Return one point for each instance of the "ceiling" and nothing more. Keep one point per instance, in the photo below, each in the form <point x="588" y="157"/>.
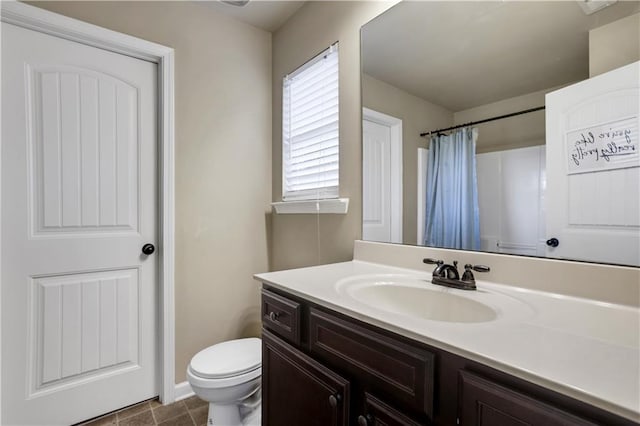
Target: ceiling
<point x="265" y="14"/>
<point x="464" y="54"/>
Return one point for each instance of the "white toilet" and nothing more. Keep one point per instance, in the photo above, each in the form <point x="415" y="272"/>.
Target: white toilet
<point x="227" y="376"/>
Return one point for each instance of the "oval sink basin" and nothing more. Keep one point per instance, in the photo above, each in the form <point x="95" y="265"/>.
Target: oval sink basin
<point x="418" y="298"/>
<point x="424" y="303"/>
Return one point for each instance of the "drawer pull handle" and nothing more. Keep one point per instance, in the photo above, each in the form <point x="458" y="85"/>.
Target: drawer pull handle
<point x="334" y="399"/>
<point x="273" y="316"/>
<point x="365" y="420"/>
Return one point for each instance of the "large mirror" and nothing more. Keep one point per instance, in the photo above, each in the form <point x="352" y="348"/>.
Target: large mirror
<point x="508" y="127"/>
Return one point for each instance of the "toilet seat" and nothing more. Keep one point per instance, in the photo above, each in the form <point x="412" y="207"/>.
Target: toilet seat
<point x="203" y="382"/>
<point x="227" y="363"/>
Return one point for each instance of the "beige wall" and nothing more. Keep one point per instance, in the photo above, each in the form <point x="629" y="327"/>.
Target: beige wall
<point x="624" y="34"/>
<point x="509" y="133"/>
<point x="302" y="240"/>
<point x="223" y="160"/>
<point x="417" y="116"/>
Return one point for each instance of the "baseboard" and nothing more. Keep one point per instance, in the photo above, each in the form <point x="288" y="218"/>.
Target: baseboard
<point x="183" y="391"/>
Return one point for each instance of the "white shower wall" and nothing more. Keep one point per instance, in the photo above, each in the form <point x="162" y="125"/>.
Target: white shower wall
<point x="511" y="187"/>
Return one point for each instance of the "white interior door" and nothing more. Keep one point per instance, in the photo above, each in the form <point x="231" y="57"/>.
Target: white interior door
<point x="382" y="177"/>
<point x="593" y="178"/>
<point x="376" y="182"/>
<point x="79" y="299"/>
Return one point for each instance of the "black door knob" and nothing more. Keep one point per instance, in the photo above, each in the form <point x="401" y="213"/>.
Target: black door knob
<point x="553" y="242"/>
<point x="148" y="249"/>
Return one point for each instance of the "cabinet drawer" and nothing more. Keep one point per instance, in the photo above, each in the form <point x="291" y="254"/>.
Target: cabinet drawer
<point x="387" y="366"/>
<point x="378" y="413"/>
<point x="281" y="316"/>
<point x="483" y="402"/>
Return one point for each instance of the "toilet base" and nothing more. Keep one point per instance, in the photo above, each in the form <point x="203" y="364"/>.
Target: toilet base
<point x="234" y="415"/>
<point x="224" y="415"/>
<point x="253" y="417"/>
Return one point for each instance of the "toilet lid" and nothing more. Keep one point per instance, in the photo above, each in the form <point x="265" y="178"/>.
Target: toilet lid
<point x="227" y="359"/>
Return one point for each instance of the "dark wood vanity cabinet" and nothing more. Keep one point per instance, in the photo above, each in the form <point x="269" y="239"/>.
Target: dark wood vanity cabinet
<point x="379" y="364"/>
<point x="324" y="368"/>
<point x="300" y="390"/>
<point x="379" y="413"/>
<point x="483" y="402"/>
<point x="281" y="316"/>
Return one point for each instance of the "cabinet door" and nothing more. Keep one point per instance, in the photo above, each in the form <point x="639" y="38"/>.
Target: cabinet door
<point x="378" y="413"/>
<point x="485" y="403"/>
<point x="400" y="372"/>
<point x="296" y="390"/>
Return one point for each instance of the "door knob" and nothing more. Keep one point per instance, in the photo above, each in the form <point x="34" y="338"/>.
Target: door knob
<point x="148" y="249"/>
<point x="553" y="242"/>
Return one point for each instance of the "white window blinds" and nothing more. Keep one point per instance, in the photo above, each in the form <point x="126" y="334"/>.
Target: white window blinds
<point x="310" y="129"/>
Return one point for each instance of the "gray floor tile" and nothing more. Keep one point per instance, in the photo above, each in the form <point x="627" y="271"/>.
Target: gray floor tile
<point x="143" y="419"/>
<point x="200" y="415"/>
<point x="166" y="412"/>
<point x="155" y="403"/>
<point x="194" y="402"/>
<point x="133" y="410"/>
<point x="183" y="420"/>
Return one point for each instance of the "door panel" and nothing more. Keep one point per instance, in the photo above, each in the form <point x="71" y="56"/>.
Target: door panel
<point x="85" y="154"/>
<point x="595" y="212"/>
<point x="85" y="323"/>
<point x="79" y="301"/>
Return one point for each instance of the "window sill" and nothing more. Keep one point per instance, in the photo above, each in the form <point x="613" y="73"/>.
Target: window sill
<point x="328" y="206"/>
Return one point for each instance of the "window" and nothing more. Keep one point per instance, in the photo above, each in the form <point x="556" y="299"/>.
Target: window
<point x="310" y="129"/>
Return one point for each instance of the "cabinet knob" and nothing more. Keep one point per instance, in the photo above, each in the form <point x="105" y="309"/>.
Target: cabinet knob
<point x="273" y="316"/>
<point x="334" y="399"/>
<point x="365" y="420"/>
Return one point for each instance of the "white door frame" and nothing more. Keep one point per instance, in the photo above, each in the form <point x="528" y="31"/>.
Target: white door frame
<point x="43" y="21"/>
<point x="395" y="125"/>
<point x="423" y="155"/>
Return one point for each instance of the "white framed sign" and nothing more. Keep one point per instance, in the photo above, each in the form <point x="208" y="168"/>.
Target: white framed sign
<point x="607" y="146"/>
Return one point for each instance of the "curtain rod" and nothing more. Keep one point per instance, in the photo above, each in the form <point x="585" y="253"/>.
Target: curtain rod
<point x="486" y="120"/>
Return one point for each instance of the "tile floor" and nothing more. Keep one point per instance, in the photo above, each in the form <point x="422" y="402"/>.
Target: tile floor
<point x="188" y="412"/>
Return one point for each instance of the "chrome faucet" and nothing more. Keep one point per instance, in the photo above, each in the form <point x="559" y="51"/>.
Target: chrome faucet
<point x="448" y="275"/>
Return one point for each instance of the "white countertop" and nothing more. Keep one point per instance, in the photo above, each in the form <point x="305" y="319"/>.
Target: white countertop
<point x="582" y="348"/>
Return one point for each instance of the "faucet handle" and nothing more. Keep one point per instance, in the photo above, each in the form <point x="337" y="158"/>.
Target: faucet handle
<point x="468" y="275"/>
<point x="432" y="261"/>
<point x="480" y="268"/>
